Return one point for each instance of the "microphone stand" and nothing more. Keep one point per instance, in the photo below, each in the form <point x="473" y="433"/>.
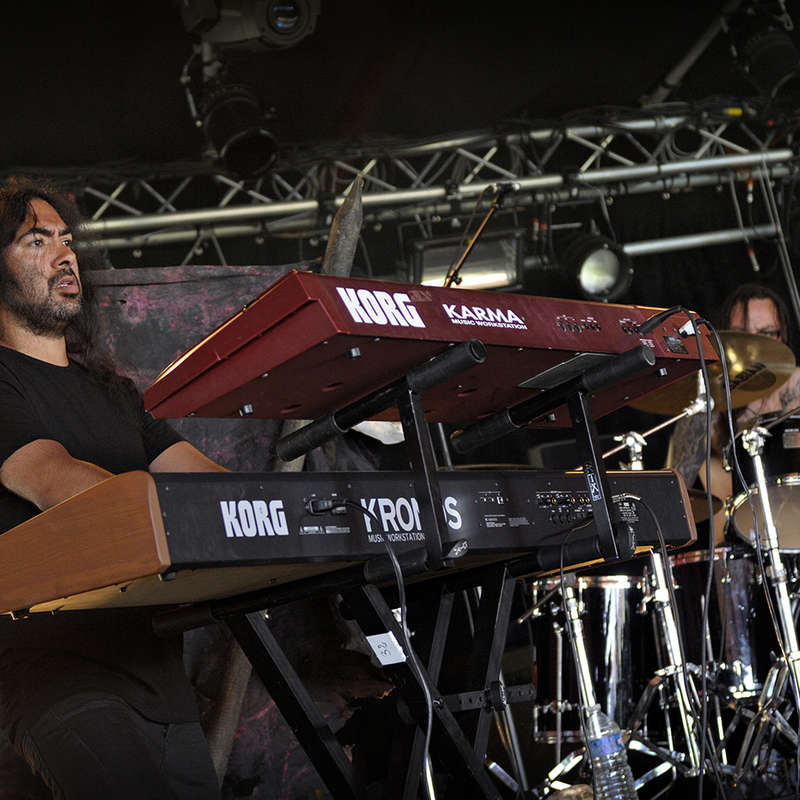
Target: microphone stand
<point x="497" y="201"/>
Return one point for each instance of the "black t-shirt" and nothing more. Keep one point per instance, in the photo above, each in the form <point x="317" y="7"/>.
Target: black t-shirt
<point x="46" y="657"/>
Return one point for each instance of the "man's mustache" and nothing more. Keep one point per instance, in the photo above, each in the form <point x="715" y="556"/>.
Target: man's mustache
<point x="53" y="282"/>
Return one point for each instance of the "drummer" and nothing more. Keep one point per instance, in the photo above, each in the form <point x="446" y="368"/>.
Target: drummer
<point x="751" y="308"/>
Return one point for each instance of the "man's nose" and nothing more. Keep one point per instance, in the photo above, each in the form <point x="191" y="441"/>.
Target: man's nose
<point x="64" y="256"/>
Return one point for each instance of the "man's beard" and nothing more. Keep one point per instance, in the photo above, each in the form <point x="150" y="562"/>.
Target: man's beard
<point x="46" y="316"/>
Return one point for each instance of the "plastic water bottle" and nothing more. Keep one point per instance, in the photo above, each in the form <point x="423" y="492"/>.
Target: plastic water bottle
<point x="611" y="773"/>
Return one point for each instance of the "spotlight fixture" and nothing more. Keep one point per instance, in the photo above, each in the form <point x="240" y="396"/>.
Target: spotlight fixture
<point x="234" y="124"/>
<point x="767" y="54"/>
<point x="230" y="115"/>
<point x="494" y="263"/>
<point x="251" y="24"/>
<point x="600" y="267"/>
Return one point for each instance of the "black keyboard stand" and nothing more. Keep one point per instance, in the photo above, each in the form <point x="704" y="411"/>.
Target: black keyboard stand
<point x="460" y="716"/>
<point x="456" y="665"/>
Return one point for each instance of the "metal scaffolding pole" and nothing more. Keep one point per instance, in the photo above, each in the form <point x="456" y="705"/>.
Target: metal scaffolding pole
<point x="673" y="78"/>
<point x="541" y="183"/>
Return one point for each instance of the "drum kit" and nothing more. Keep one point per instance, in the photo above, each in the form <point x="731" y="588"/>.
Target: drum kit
<point x="695" y="653"/>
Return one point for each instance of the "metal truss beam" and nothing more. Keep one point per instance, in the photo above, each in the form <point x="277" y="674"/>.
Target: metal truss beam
<point x="168" y="204"/>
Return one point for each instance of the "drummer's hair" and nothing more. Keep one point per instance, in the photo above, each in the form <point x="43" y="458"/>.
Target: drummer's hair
<point x="756" y="291"/>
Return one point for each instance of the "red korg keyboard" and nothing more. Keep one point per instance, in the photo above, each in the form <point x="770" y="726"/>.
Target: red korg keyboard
<point x="313" y="343"/>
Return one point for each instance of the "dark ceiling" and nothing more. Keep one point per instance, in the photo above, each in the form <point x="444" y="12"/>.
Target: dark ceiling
<point x="88" y="82"/>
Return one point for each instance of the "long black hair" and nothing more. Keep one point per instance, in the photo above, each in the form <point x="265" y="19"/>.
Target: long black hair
<point x="81" y="333"/>
<point x="756" y="291"/>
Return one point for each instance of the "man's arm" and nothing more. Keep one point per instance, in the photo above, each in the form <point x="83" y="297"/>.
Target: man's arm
<point x="687" y="447"/>
<point x="687" y="454"/>
<point x="44" y="473"/>
<point x="790" y="391"/>
<point x="184" y="457"/>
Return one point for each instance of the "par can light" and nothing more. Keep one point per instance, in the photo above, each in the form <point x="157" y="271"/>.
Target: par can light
<point x="600" y="267"/>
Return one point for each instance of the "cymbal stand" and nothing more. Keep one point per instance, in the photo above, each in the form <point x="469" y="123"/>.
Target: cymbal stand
<point x="587" y="706"/>
<point x="588" y="699"/>
<point x="636" y="442"/>
<point x="753" y="441"/>
<point x="767" y="717"/>
<point x="559" y="705"/>
<point x="676" y="669"/>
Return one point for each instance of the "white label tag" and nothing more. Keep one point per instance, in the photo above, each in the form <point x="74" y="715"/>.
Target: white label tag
<point x="386" y="648"/>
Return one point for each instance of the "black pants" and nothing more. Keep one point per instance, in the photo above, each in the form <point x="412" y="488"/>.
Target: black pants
<point x="95" y="745"/>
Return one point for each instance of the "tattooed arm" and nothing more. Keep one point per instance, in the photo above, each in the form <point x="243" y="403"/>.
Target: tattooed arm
<point x="687" y="454"/>
<point x="687" y="447"/>
<point x="790" y="391"/>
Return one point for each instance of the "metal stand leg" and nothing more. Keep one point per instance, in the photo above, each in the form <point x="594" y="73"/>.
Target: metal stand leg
<point x="784" y="675"/>
<point x="559" y="632"/>
<point x="582" y="668"/>
<point x="676" y="668"/>
<point x="772" y="695"/>
<point x="295" y="704"/>
<point x="776" y="573"/>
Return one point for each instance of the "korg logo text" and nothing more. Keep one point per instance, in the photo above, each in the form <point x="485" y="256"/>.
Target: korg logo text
<point x="483" y="317"/>
<point x="253" y="518"/>
<point x="380" y="308"/>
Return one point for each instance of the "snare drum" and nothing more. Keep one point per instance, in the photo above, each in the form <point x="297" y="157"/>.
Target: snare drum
<point x="781" y="458"/>
<point x="731" y="632"/>
<point x="611" y="630"/>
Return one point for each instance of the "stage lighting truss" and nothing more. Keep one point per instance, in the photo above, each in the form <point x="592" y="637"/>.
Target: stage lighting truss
<point x="424" y="181"/>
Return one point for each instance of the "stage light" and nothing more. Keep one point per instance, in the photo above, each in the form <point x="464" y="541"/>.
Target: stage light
<point x="768" y="55"/>
<point x="494" y="263"/>
<point x="234" y="124"/>
<point x="600" y="267"/>
<point x="251" y="24"/>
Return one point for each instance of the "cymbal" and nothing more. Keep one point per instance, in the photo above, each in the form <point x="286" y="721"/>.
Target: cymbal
<point x="757" y="366"/>
<point x="698" y="502"/>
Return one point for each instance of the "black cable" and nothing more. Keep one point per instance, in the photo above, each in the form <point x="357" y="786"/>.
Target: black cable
<point x="413" y="659"/>
<point x="712" y="552"/>
<point x="702" y="722"/>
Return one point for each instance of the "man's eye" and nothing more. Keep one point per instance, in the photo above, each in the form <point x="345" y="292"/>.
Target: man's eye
<point x="67" y="242"/>
<point x="37" y="242"/>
